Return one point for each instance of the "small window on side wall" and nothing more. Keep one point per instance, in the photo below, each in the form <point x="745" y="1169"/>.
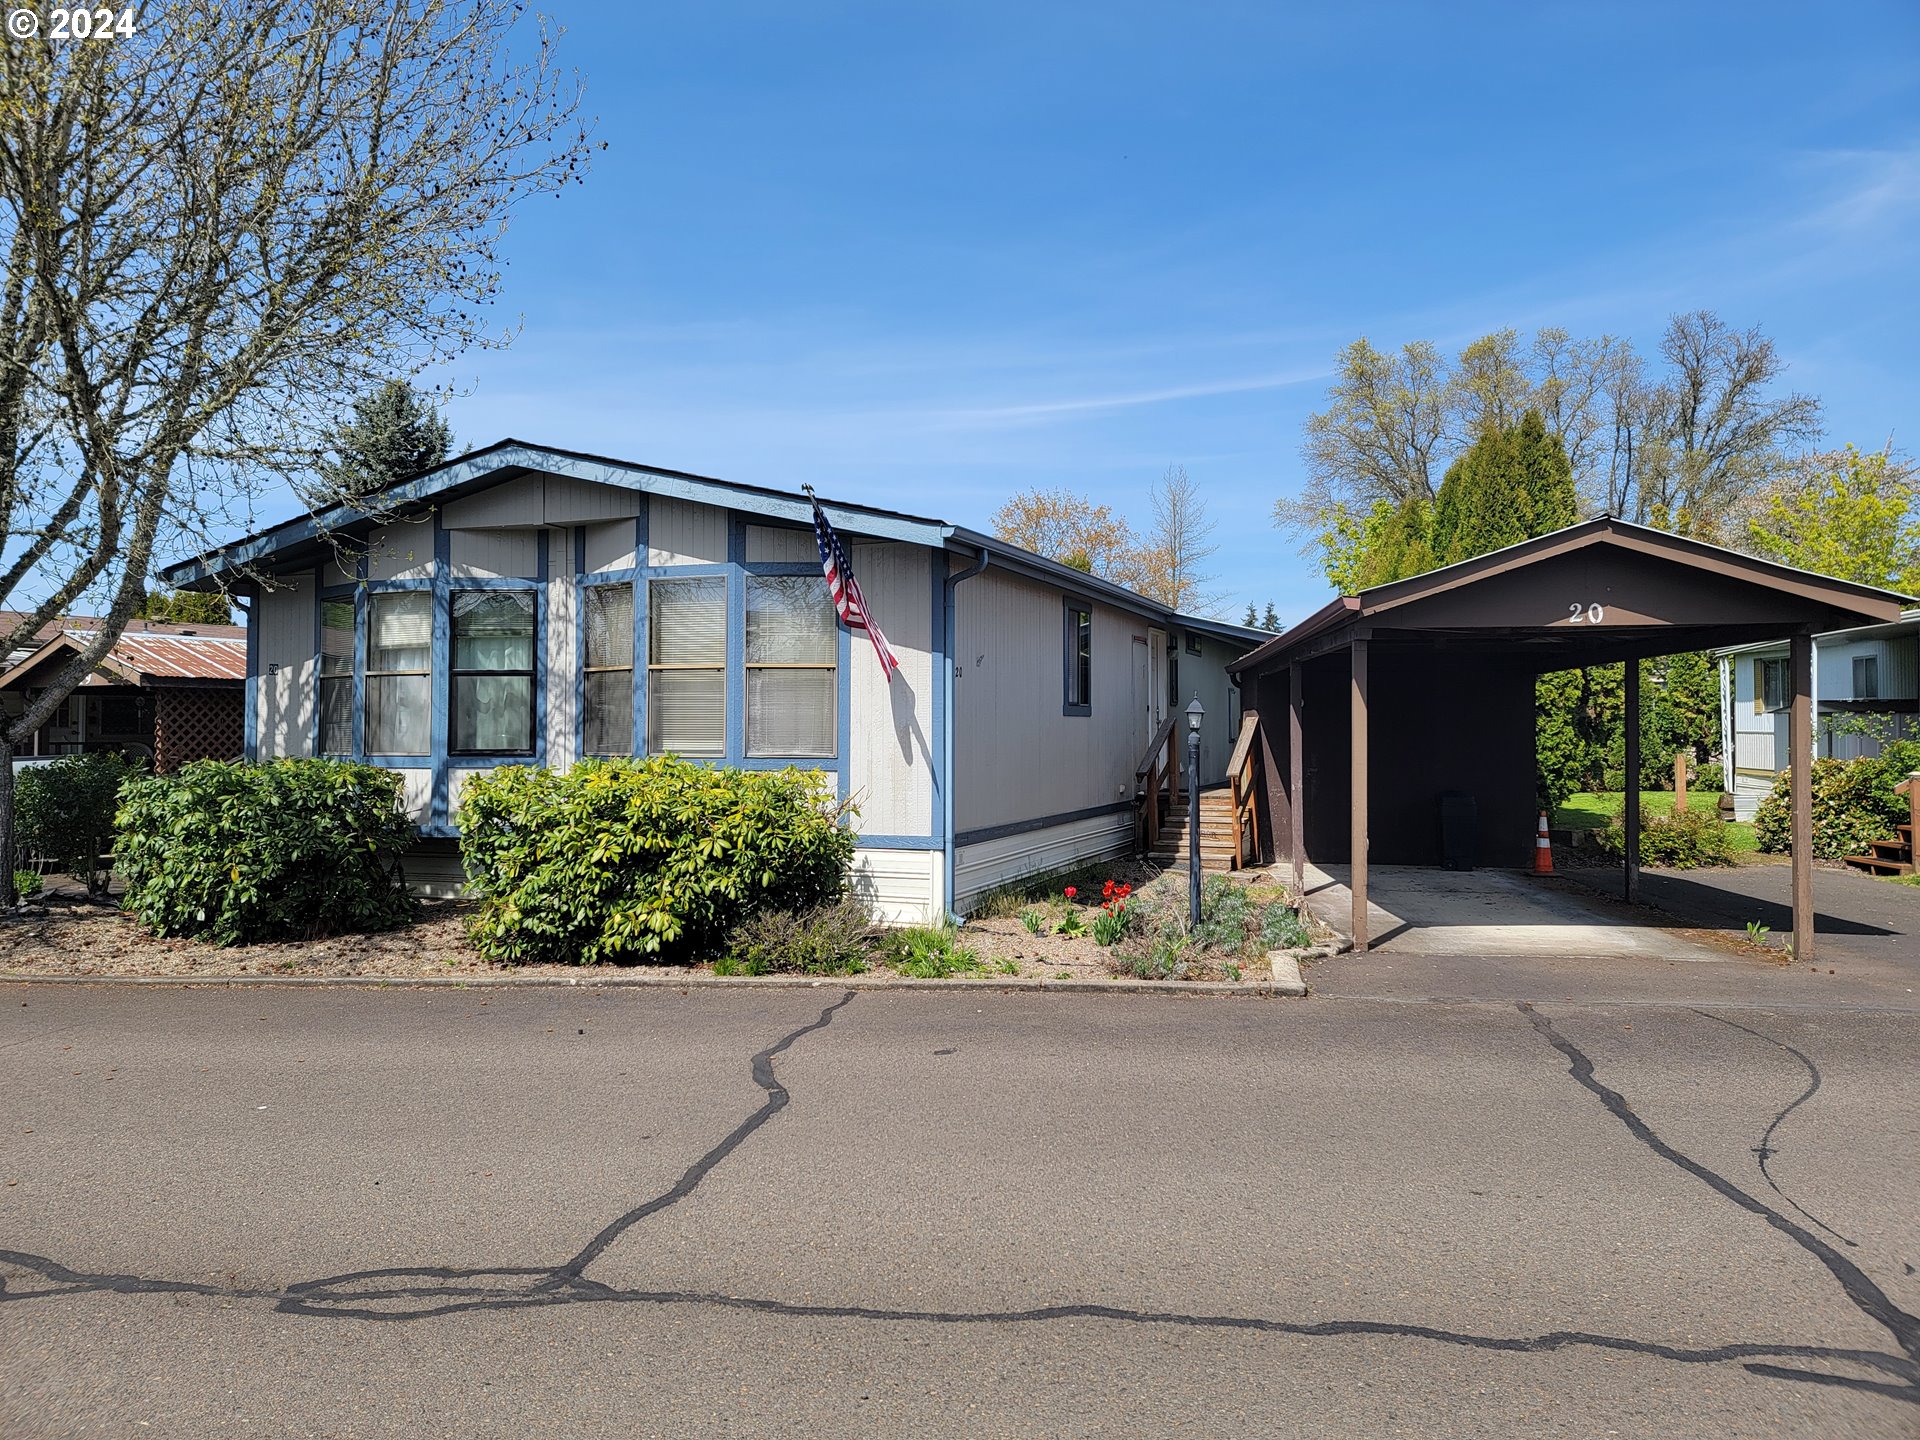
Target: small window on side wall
<point x="1773" y="684"/>
<point x="1078" y="641"/>
<point x="1866" y="677"/>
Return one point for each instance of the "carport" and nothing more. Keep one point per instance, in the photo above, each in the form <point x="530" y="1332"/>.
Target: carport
<point x="1381" y="704"/>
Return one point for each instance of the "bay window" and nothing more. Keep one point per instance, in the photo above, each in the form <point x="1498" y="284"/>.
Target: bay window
<point x="793" y="648"/>
<point x="399" y="716"/>
<point x="492" y="693"/>
<point x="607" y="686"/>
<point x="336" y="676"/>
<point x="687" y="666"/>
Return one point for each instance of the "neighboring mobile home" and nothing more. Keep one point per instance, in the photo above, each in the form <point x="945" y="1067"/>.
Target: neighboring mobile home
<point x="1866" y="691"/>
<point x="522" y="605"/>
<point x="164" y="693"/>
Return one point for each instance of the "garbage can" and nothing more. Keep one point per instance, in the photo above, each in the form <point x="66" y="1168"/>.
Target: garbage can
<point x="1459" y="830"/>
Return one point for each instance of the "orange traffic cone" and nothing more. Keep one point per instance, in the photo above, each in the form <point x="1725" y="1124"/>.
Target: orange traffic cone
<point x="1542" y="849"/>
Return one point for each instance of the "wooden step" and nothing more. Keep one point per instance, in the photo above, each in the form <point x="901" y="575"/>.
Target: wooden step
<point x="1880" y="865"/>
<point x="1891" y="849"/>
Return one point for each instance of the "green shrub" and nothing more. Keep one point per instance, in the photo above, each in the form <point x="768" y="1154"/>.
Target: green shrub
<point x="1684" y="840"/>
<point x="26" y="884"/>
<point x="64" y="812"/>
<point x="1282" y="929"/>
<point x="826" y="940"/>
<point x="1225" y="913"/>
<point x="235" y="853"/>
<point x="928" y="952"/>
<point x="1711" y="778"/>
<point x="1159" y="952"/>
<point x="1853" y="804"/>
<point x="646" y="859"/>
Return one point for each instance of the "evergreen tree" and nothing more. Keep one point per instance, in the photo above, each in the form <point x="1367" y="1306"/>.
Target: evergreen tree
<point x="1271" y="620"/>
<point x="394" y="433"/>
<point x="1252" y="622"/>
<point x="1548" y="477"/>
<point x="186" y="607"/>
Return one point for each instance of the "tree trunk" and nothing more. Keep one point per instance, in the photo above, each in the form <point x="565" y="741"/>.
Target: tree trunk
<point x="8" y="898"/>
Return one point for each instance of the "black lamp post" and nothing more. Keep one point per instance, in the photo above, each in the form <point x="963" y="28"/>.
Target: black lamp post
<point x="1195" y="714"/>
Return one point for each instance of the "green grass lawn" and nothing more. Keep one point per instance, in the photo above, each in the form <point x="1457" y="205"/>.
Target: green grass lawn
<point x="1590" y="812"/>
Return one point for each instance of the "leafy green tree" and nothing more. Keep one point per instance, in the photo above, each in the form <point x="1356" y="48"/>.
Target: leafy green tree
<point x="187" y="607"/>
<point x="394" y="433"/>
<point x="1848" y="515"/>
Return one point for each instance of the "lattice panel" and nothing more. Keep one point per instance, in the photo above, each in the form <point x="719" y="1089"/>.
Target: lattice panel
<point x="192" y="724"/>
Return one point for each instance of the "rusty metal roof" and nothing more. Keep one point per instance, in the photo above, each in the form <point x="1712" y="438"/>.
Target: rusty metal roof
<point x="147" y="657"/>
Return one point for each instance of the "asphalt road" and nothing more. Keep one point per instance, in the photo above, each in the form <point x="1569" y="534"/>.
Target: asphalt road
<point x="633" y="1213"/>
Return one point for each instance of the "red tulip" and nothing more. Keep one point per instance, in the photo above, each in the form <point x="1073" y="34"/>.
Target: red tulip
<point x="1071" y="892"/>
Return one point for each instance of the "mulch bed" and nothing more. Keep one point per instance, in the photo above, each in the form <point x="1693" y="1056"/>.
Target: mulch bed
<point x="68" y="934"/>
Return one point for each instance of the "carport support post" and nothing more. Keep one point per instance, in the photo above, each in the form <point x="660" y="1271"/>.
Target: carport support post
<point x="1296" y="781"/>
<point x="1631" y="811"/>
<point x="1358" y="818"/>
<point x="1800" y="751"/>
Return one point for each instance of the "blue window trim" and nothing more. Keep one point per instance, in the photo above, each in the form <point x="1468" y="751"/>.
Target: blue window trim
<point x="1070" y="606"/>
<point x="735" y="570"/>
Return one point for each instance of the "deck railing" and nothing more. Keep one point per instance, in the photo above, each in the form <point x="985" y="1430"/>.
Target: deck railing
<point x="1156" y="778"/>
<point x="1243" y="775"/>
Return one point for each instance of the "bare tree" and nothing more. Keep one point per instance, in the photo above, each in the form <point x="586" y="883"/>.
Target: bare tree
<point x="1386" y="417"/>
<point x="1714" y="435"/>
<point x="1178" y="545"/>
<point x="1490" y="388"/>
<point x="211" y="226"/>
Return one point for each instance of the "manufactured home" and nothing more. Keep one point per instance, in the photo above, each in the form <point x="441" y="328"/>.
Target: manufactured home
<point x="522" y="605"/>
<point x="1866" y="691"/>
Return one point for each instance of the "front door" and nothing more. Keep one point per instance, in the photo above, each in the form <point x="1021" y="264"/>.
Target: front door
<point x="1157" y="681"/>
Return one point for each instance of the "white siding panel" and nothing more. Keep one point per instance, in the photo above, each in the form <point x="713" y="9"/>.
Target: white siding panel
<point x="898" y="887"/>
<point x="681" y="532"/>
<point x="515" y="504"/>
<point x="456" y="783"/>
<point x="433" y="871"/>
<point x="416" y="794"/>
<point x="771" y="543"/>
<point x="285" y="690"/>
<point x="562" y="670"/>
<point x="610" y="545"/>
<point x="890" y="760"/>
<point x="1204" y="676"/>
<point x="575" y="502"/>
<point x="401" y="552"/>
<point x="986" y="866"/>
<point x="1016" y="755"/>
<point x="494" y="554"/>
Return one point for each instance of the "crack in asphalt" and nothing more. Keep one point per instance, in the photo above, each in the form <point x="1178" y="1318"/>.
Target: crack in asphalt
<point x="1766" y="1149"/>
<point x="434" y="1290"/>
<point x="1855" y="1284"/>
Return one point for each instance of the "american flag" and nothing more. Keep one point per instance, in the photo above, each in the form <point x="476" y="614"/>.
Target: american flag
<point x="847" y="598"/>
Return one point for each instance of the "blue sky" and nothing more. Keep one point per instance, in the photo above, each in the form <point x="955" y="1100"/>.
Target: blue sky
<point x="926" y="256"/>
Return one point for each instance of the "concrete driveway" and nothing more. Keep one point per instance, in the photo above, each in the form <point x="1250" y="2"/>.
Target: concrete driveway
<point x="585" y="1214"/>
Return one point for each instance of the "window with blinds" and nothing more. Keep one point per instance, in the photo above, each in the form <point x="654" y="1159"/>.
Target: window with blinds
<point x="336" y="677"/>
<point x="492" y="673"/>
<point x="793" y="648"/>
<point x="607" y="688"/>
<point x="399" y="716"/>
<point x="687" y="666"/>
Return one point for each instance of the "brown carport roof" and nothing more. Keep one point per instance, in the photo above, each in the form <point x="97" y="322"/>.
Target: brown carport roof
<point x="1602" y="591"/>
<point x="1597" y="592"/>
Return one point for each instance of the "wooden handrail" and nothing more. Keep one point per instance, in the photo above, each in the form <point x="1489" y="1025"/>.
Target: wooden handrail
<point x="1157" y="771"/>
<point x="1243" y="777"/>
<point x="1910" y="787"/>
<point x="1154" y="746"/>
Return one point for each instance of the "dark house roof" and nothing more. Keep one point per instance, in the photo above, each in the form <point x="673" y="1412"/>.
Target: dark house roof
<point x="307" y="539"/>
